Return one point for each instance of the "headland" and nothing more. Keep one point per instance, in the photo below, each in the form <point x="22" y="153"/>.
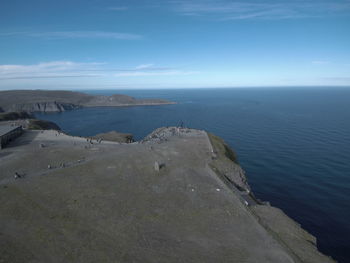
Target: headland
<point x="58" y="101"/>
<point x="178" y="195"/>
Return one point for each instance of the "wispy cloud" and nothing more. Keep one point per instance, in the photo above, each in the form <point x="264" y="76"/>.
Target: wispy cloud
<point x="155" y="73"/>
<point x="118" y="8"/>
<point x="54" y="69"/>
<point x="144" y="70"/>
<point x="240" y="10"/>
<point x="70" y="69"/>
<point x="320" y="62"/>
<point x="75" y="35"/>
<point x="144" y="66"/>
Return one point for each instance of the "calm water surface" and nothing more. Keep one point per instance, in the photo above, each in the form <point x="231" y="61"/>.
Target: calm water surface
<point x="294" y="144"/>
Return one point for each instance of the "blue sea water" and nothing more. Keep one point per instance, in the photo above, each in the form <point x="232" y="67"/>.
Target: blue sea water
<point x="293" y="143"/>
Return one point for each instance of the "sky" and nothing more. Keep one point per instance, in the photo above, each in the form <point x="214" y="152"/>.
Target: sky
<point x="105" y="44"/>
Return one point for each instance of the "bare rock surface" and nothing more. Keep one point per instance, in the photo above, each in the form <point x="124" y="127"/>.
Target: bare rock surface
<point x="105" y="202"/>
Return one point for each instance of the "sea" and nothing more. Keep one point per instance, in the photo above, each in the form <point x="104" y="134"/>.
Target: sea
<point x="293" y="143"/>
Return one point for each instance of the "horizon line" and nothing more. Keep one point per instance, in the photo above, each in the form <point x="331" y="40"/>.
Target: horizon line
<point x="184" y="88"/>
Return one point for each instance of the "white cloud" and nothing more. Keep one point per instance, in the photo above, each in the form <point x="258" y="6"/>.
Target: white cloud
<point x="239" y="10"/>
<point x="158" y="73"/>
<point x="70" y="69"/>
<point x="144" y="66"/>
<point x="54" y="69"/>
<point x="75" y="35"/>
<point x="118" y="8"/>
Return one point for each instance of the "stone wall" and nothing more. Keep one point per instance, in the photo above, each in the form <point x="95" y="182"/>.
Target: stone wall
<point x="8" y="137"/>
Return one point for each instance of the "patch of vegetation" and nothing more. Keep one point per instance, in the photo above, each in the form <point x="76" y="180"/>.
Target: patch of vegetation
<point x="222" y="148"/>
<point x="11" y="116"/>
<point x="42" y="125"/>
<point x="115" y="137"/>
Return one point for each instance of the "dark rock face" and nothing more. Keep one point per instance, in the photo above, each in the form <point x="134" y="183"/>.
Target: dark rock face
<point x="44" y="107"/>
<point x="34" y="124"/>
<point x="27" y="121"/>
<point x="226" y="164"/>
<point x="115" y="137"/>
<point x="10" y="116"/>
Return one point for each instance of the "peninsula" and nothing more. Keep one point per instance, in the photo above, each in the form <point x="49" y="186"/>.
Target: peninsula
<point x="57" y="101"/>
<point x="178" y="195"/>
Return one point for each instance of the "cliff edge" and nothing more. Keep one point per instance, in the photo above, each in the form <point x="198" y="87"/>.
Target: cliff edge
<point x="176" y="196"/>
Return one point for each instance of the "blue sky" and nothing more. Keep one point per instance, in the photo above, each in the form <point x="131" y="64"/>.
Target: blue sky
<point x="49" y="44"/>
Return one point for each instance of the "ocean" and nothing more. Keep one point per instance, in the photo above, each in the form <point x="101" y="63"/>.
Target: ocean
<point x="293" y="143"/>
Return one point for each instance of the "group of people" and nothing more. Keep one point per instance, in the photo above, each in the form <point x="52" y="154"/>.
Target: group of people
<point x="90" y="140"/>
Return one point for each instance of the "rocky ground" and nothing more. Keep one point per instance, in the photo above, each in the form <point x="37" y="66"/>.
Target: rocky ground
<point x="176" y="196"/>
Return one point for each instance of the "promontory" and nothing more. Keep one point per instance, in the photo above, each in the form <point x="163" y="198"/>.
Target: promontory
<point x="178" y="195"/>
<point x="57" y="101"/>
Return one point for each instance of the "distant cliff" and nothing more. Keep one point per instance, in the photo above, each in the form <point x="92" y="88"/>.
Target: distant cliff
<point x="58" y="101"/>
<point x="43" y="107"/>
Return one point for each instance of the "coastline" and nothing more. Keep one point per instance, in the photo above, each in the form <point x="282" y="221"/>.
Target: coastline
<point x="59" y="101"/>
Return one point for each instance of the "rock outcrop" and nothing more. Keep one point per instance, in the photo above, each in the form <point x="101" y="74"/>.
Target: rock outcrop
<point x="10" y="116"/>
<point x="27" y="121"/>
<point x="114" y="136"/>
<point x="225" y="164"/>
<point x="34" y="124"/>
